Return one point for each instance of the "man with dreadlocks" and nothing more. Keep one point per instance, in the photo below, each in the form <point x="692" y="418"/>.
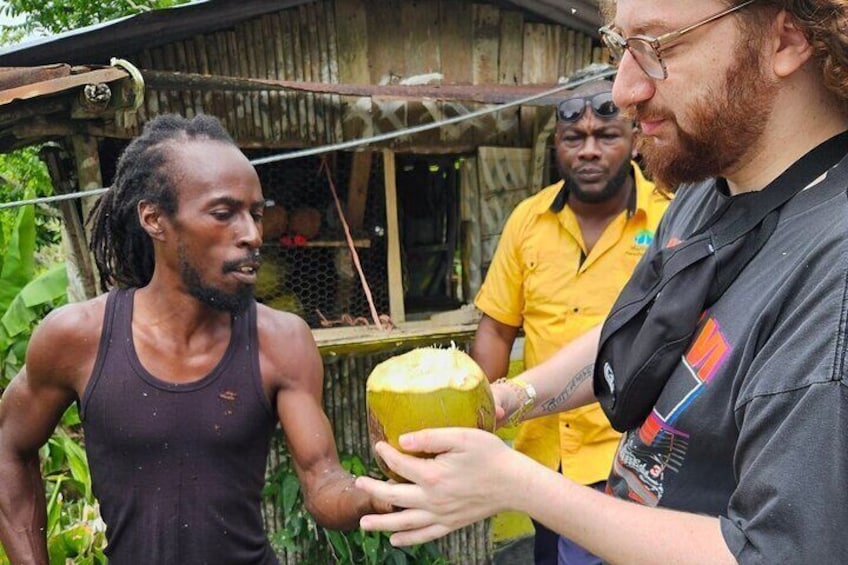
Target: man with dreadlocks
<point x="179" y="374"/>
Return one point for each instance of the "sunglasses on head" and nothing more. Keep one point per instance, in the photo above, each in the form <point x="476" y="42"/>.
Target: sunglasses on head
<point x="572" y="110"/>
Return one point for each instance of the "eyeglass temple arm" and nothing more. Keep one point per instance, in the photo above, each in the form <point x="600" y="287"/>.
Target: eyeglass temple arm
<point x="672" y="35"/>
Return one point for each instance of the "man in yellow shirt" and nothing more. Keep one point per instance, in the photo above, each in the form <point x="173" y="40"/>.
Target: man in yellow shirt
<point x="564" y="255"/>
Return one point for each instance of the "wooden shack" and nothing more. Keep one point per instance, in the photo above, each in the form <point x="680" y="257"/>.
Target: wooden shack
<point x="428" y="119"/>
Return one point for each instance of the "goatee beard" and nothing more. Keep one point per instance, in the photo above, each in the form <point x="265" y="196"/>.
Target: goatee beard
<point x="610" y="190"/>
<point x="234" y="303"/>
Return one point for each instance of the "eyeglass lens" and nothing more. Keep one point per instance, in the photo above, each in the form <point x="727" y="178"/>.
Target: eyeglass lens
<point x="647" y="58"/>
<point x="571" y="110"/>
<point x="642" y="51"/>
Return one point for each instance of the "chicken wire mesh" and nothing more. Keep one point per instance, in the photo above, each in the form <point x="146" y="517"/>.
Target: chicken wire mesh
<point x="307" y="266"/>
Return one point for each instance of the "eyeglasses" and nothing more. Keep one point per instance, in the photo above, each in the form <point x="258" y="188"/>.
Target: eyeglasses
<point x="647" y="50"/>
<point x="572" y="110"/>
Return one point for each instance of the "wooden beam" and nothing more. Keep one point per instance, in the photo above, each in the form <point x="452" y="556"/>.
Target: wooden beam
<point x="357" y="192"/>
<point x="397" y="310"/>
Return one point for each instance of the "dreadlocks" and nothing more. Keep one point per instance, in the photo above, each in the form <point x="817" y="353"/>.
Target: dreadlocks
<point x="122" y="250"/>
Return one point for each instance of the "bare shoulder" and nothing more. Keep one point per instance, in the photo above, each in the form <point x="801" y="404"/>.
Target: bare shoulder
<point x="279" y="322"/>
<point x="64" y="345"/>
<point x="287" y="349"/>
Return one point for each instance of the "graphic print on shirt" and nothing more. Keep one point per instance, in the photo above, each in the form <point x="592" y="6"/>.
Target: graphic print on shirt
<point x="657" y="447"/>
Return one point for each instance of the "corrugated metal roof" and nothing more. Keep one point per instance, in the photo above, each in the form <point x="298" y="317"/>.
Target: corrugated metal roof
<point x="98" y="43"/>
<point x="117" y="38"/>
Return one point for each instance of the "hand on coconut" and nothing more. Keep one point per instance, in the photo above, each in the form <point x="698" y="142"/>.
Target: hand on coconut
<point x="454" y="489"/>
<point x="514" y="398"/>
<point x="506" y="402"/>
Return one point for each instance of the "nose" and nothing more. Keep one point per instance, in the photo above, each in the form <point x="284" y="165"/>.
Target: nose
<point x="591" y="149"/>
<point x="250" y="232"/>
<point x="632" y="86"/>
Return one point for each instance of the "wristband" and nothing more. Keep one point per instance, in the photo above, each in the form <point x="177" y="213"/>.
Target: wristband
<point x="526" y="397"/>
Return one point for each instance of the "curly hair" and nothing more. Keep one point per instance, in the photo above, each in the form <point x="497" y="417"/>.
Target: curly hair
<point x="123" y="251"/>
<point x="824" y="23"/>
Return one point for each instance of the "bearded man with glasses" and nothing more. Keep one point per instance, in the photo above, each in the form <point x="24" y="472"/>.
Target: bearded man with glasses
<point x="564" y="255"/>
<point x="724" y="359"/>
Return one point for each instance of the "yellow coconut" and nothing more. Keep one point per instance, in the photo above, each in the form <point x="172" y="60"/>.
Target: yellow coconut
<point x="426" y="388"/>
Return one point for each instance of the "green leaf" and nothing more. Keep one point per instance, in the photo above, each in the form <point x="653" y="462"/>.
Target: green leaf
<point x="77" y="539"/>
<point x="54" y="506"/>
<point x="18" y="263"/>
<point x="56" y="550"/>
<point x="396" y="557"/>
<point x="370" y="545"/>
<point x="47" y="288"/>
<point x="78" y="465"/>
<point x="21" y="313"/>
<point x="291" y="493"/>
<point x="71" y="417"/>
<point x="341" y="545"/>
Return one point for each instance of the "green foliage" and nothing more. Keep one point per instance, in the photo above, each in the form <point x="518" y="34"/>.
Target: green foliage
<point x="300" y="536"/>
<point x="24" y="297"/>
<point x="23" y="175"/>
<point x="54" y="16"/>
<point x="75" y="531"/>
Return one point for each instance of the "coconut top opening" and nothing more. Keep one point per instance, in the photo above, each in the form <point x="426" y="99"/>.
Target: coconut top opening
<point x="426" y="369"/>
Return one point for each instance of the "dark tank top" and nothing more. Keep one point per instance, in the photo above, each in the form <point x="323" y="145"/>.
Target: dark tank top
<point x="178" y="468"/>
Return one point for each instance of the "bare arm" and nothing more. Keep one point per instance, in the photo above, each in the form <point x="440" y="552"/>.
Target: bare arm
<point x="562" y="382"/>
<point x="476" y="476"/>
<point x="492" y="346"/>
<point x="29" y="411"/>
<point x="329" y="491"/>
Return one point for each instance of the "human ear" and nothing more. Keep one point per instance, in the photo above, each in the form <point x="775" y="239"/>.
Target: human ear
<point x="150" y="218"/>
<point x="793" y="49"/>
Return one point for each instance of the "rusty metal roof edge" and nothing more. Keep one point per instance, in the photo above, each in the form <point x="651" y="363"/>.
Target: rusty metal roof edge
<point x="55" y="85"/>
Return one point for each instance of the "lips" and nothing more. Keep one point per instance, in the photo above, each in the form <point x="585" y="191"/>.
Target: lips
<point x="650" y="124"/>
<point x="245" y="272"/>
<point x="590" y="175"/>
<point x="650" y="127"/>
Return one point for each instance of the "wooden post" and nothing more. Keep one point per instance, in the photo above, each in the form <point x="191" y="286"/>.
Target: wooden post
<point x="357" y="193"/>
<point x="81" y="280"/>
<point x="472" y="259"/>
<point x="395" y="271"/>
<point x="87" y="158"/>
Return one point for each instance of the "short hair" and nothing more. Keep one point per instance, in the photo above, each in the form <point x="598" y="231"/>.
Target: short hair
<point x="123" y="251"/>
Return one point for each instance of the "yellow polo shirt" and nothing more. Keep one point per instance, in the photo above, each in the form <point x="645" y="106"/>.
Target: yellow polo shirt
<point x="542" y="278"/>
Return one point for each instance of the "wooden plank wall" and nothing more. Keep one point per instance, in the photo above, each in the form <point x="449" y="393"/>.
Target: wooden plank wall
<point x="369" y="42"/>
<point x="504" y="181"/>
